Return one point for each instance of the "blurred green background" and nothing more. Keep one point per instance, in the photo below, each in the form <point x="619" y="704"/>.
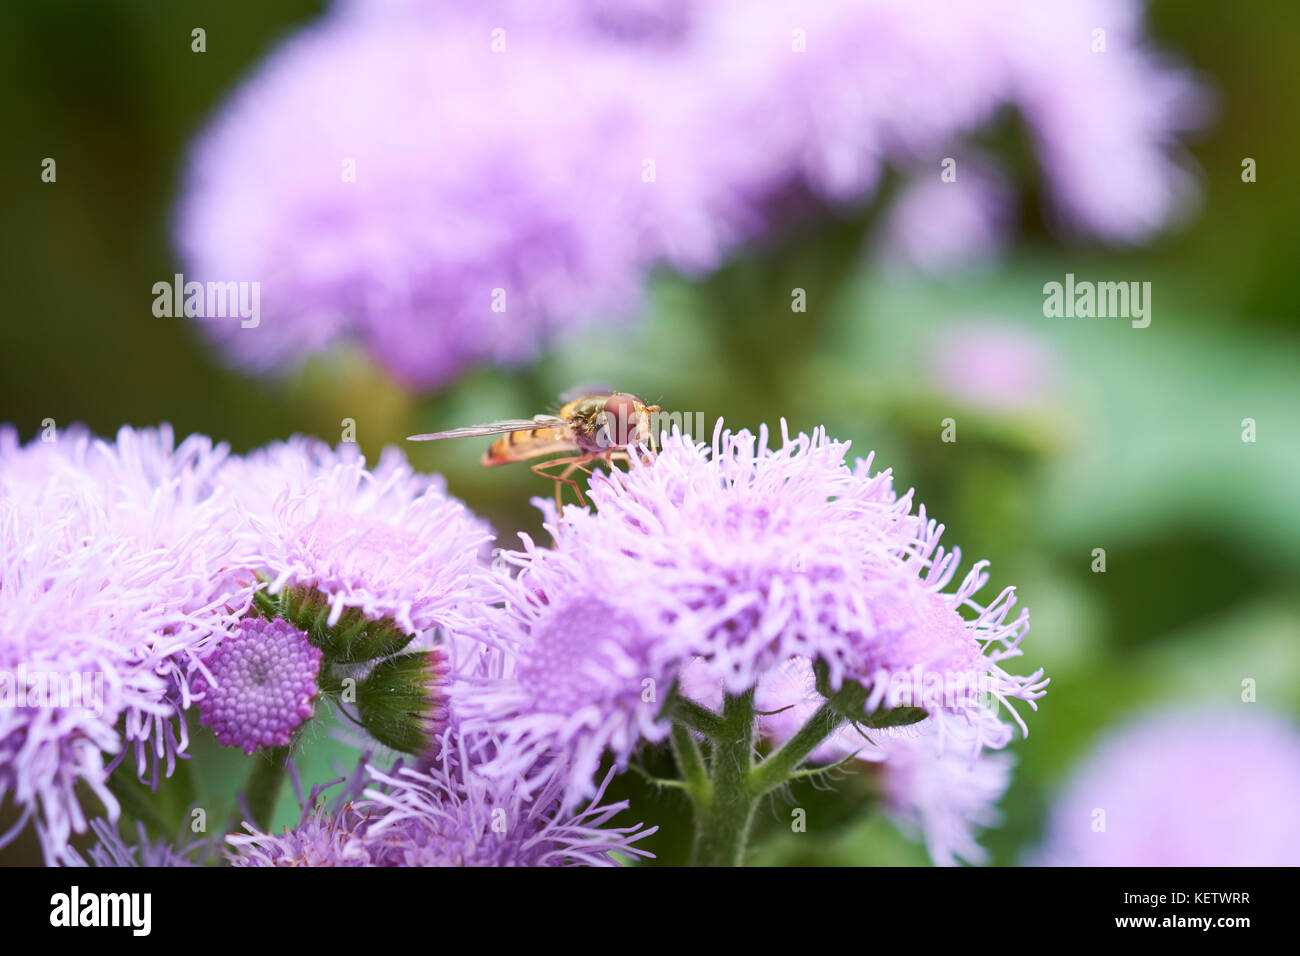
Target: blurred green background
<point x="1133" y="444"/>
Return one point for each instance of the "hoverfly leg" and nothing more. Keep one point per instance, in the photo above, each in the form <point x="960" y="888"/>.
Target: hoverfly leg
<point x="540" y="469"/>
<point x="578" y="464"/>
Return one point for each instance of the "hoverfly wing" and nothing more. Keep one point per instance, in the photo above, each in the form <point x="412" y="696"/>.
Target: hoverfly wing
<point x="494" y="428"/>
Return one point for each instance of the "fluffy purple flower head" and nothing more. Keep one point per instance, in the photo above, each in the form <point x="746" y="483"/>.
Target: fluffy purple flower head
<point x="744" y="557"/>
<point x="117" y="576"/>
<point x="387" y="541"/>
<point x="113" y="851"/>
<point x="586" y="675"/>
<point x="834" y="93"/>
<point x="329" y="832"/>
<point x="451" y="815"/>
<point x="70" y="670"/>
<point x="445" y="814"/>
<point x="1185" y="787"/>
<point x="262" y="685"/>
<point x="1105" y="123"/>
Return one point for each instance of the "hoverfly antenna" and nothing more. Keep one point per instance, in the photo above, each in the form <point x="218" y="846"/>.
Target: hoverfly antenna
<point x="654" y="431"/>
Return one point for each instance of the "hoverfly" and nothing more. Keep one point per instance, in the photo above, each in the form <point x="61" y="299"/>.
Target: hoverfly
<point x="594" y="424"/>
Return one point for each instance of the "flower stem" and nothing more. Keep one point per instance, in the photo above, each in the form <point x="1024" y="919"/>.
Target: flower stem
<point x="697" y="718"/>
<point x="265" y="781"/>
<point x="725" y="794"/>
<point x="724" y="816"/>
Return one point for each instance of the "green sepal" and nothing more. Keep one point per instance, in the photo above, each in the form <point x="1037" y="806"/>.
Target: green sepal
<point x="353" y="639"/>
<point x="396" y="701"/>
<point x="356" y="638"/>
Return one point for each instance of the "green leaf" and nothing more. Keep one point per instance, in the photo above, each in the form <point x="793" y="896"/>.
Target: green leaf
<point x="897" y="717"/>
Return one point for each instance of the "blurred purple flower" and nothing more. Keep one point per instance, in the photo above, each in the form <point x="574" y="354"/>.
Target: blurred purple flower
<point x="997" y="367"/>
<point x="601" y="138"/>
<point x="1184" y="787"/>
<point x="475" y="173"/>
<point x="935" y="225"/>
<point x="739" y="558"/>
<point x="944" y="797"/>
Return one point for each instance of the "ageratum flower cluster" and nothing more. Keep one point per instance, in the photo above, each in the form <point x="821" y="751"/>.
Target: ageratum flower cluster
<point x="238" y="592"/>
<point x="715" y="570"/>
<point x="141" y="578"/>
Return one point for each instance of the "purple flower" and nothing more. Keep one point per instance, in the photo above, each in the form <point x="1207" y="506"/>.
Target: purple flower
<point x="117" y="576"/>
<point x="329" y="832"/>
<point x="944" y="797"/>
<point x="113" y="851"/>
<point x="262" y="685"/>
<point x="373" y="563"/>
<point x="127" y="569"/>
<point x="454" y="183"/>
<point x="1186" y="787"/>
<point x="993" y="366"/>
<point x="1105" y="123"/>
<point x="743" y="557"/>
<point x="451" y="815"/>
<point x="386" y="541"/>
<point x="447" y="814"/>
<point x="587" y="674"/>
<point x="936" y="225"/>
<point x="486" y="214"/>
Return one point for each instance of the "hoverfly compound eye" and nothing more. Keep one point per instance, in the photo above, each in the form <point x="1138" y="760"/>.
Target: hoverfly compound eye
<point x="620" y="419"/>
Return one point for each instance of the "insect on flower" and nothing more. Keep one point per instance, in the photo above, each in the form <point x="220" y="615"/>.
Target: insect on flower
<point x="594" y="424"/>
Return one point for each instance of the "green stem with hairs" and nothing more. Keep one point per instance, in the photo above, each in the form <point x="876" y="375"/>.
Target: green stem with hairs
<point x="725" y="792"/>
<point x="781" y="766"/>
<point x="698" y="718"/>
<point x="725" y="811"/>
